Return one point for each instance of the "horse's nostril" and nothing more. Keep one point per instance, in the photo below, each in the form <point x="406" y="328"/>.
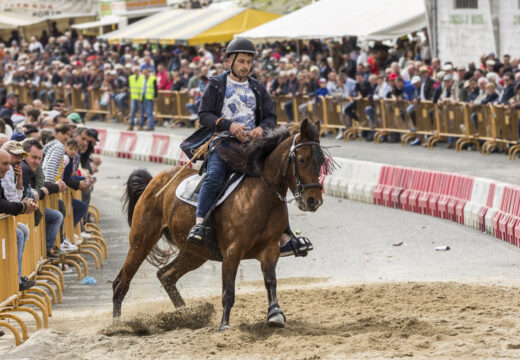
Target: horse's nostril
<point x="312" y="202"/>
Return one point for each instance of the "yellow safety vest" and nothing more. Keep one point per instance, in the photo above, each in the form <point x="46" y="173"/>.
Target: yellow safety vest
<point x="150" y="90"/>
<point x="136" y="87"/>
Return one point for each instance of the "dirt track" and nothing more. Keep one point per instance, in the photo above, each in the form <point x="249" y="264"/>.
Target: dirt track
<point x="428" y="320"/>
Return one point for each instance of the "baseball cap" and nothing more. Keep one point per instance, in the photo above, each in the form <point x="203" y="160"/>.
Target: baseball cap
<point x="74" y="117"/>
<point x="447" y="77"/>
<point x="393" y="76"/>
<point x="18" y="136"/>
<point x="416" y="79"/>
<point x="11" y="94"/>
<point x="94" y="134"/>
<point x="322" y="81"/>
<point x="424" y="68"/>
<point x="14" y="147"/>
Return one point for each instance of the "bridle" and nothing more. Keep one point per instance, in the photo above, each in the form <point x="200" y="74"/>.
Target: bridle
<point x="300" y="186"/>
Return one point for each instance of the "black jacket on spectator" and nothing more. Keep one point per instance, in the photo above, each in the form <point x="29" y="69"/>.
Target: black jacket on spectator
<point x="490" y="99"/>
<point x="428" y="88"/>
<point x="364" y="89"/>
<point x="471" y="95"/>
<point x="29" y="181"/>
<point x="437" y="93"/>
<point x="507" y="94"/>
<point x="9" y="207"/>
<point x="349" y="68"/>
<point x="71" y="181"/>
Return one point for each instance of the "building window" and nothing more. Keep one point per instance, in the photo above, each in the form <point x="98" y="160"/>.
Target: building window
<point x="468" y="4"/>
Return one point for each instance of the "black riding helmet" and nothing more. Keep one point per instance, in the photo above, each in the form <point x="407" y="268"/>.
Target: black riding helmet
<point x="240" y="45"/>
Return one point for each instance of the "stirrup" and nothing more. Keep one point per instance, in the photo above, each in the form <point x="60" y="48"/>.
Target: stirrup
<point x="197" y="234"/>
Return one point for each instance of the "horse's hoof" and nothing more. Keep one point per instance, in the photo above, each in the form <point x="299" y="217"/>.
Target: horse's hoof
<point x="277" y="320"/>
<point x="223" y="328"/>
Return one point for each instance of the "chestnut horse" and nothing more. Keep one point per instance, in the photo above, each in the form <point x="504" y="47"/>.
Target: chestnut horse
<point x="248" y="224"/>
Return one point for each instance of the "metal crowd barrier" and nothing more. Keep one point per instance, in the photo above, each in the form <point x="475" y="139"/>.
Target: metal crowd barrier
<point x="50" y="282"/>
<point x="495" y="126"/>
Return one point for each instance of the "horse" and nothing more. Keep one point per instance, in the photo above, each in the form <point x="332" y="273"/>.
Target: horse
<point x="248" y="224"/>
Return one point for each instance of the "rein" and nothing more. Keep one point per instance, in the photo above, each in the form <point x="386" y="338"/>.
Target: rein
<point x="300" y="186"/>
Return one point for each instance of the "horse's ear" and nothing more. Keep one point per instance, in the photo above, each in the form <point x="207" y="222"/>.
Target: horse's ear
<point x="307" y="131"/>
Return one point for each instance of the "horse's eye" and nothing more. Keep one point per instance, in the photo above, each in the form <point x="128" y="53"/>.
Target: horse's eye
<point x="301" y="160"/>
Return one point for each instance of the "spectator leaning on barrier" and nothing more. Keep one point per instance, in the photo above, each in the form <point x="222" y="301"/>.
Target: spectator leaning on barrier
<point x="25" y="206"/>
<point x="53" y="154"/>
<point x="35" y="187"/>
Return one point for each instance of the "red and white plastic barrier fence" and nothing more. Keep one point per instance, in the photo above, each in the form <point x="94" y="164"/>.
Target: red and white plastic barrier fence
<point x="484" y="204"/>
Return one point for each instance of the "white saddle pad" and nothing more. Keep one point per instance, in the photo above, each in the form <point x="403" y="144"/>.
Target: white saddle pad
<point x="185" y="190"/>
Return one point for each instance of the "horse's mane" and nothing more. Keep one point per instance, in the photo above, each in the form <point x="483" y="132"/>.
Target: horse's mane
<point x="249" y="158"/>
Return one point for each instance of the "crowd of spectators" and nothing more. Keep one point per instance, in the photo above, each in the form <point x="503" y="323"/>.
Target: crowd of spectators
<point x="337" y="68"/>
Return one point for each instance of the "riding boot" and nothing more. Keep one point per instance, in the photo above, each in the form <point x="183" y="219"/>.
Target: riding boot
<point x="197" y="234"/>
<point x="297" y="245"/>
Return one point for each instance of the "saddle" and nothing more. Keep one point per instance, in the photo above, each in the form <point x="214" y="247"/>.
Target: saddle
<point x="188" y="192"/>
<point x="189" y="189"/>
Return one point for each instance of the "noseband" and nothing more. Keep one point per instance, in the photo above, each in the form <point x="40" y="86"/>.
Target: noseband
<point x="300" y="186"/>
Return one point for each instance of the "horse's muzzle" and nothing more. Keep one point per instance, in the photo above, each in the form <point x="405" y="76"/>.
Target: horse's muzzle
<point x="313" y="204"/>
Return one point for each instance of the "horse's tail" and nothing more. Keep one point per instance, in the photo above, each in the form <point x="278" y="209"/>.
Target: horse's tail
<point x="135" y="185"/>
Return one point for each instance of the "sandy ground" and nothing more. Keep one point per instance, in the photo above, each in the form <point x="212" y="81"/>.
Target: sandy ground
<point x="377" y="321"/>
<point x="415" y="301"/>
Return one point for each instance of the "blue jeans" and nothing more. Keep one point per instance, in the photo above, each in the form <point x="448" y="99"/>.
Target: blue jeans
<point x="410" y="110"/>
<point x="120" y="100"/>
<point x="79" y="209"/>
<point x="147" y="107"/>
<point x="53" y="221"/>
<point x="350" y="110"/>
<point x="134" y="105"/>
<point x="217" y="174"/>
<point x="369" y="110"/>
<point x="22" y="235"/>
<point x="288" y="108"/>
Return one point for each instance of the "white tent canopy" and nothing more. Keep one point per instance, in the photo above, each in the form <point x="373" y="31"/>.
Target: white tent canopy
<point x="106" y="20"/>
<point x="10" y="20"/>
<point x="367" y="19"/>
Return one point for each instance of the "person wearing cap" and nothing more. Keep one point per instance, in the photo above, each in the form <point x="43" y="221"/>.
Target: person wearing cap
<point x="509" y="89"/>
<point x="427" y="84"/>
<point x="135" y="83"/>
<point x="237" y="106"/>
<point x="75" y="118"/>
<point x="149" y="95"/>
<point x="25" y="206"/>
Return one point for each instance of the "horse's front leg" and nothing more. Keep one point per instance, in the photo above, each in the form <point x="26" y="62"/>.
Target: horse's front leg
<point x="268" y="260"/>
<point x="229" y="273"/>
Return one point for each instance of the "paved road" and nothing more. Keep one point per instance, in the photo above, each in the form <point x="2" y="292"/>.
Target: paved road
<point x="353" y="244"/>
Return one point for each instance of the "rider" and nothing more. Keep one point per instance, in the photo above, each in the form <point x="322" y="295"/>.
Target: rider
<point x="236" y="105"/>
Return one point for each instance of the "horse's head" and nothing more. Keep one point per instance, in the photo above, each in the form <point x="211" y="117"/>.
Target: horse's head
<point x="303" y="165"/>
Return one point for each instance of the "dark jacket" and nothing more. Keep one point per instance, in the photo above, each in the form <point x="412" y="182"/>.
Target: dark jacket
<point x="29" y="181"/>
<point x="212" y="103"/>
<point x="9" y="207"/>
<point x="364" y="89"/>
<point x="71" y="181"/>
<point x="428" y="88"/>
<point x="507" y="94"/>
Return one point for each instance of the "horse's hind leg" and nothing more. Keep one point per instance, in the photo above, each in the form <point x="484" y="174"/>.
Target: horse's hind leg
<point x="144" y="234"/>
<point x="171" y="273"/>
<point x="268" y="260"/>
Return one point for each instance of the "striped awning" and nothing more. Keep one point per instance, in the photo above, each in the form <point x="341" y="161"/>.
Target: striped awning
<point x="191" y="27"/>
